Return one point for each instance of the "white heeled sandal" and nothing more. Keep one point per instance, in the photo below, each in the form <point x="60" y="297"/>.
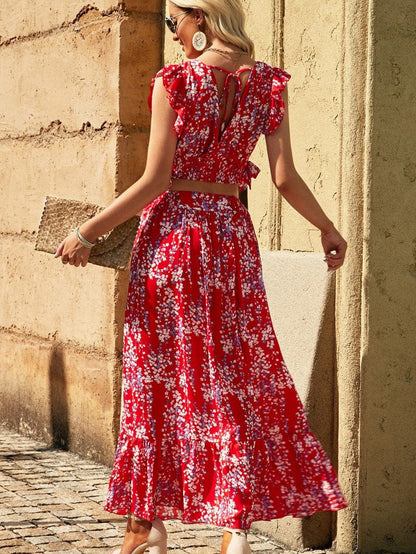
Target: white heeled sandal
<point x="239" y="543"/>
<point x="157" y="541"/>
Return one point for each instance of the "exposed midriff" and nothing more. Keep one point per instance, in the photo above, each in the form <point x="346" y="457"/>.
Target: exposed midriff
<point x="203" y="186"/>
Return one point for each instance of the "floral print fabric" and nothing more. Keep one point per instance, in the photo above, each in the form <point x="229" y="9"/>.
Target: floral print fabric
<point x="204" y="153"/>
<point x="212" y="428"/>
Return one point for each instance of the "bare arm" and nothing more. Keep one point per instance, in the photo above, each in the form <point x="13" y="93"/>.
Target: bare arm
<point x="154" y="181"/>
<point x="294" y="189"/>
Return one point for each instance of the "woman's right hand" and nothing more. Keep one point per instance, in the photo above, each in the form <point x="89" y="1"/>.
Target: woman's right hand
<point x="335" y="248"/>
<point x="73" y="252"/>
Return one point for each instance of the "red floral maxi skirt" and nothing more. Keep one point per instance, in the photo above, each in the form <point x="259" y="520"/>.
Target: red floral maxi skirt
<point x="212" y="428"/>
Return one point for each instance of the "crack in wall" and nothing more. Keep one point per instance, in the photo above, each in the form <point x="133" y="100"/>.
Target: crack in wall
<point x="88" y="15"/>
<point x="105" y="13"/>
<point x="24" y="335"/>
<point x="274" y="220"/>
<point x="81" y="20"/>
<point x="57" y="130"/>
<point x="24" y="235"/>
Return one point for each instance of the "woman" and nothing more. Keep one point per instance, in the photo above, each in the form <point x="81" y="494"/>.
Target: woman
<point x="212" y="428"/>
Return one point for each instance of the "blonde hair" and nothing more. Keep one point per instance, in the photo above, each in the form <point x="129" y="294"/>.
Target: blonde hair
<point x="225" y="19"/>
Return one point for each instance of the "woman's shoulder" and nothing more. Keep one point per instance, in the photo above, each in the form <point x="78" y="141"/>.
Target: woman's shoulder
<point x="185" y="75"/>
<point x="272" y="71"/>
<point x="173" y="76"/>
<point x="174" y="69"/>
<point x="174" y="81"/>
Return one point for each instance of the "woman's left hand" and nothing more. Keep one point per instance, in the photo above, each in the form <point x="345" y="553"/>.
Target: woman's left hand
<point x="72" y="252"/>
<point x="335" y="248"/>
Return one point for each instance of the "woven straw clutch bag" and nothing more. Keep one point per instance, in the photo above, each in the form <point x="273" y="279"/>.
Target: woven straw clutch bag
<point x="60" y="216"/>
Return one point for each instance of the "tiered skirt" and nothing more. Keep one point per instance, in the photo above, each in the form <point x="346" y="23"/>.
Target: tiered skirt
<point x="212" y="428"/>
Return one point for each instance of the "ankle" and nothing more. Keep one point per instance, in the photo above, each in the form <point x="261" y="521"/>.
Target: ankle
<point x="138" y="526"/>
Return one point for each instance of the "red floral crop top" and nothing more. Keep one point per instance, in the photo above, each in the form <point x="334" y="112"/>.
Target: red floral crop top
<point x="205" y="151"/>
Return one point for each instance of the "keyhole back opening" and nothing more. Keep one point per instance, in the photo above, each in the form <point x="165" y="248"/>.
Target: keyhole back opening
<point x="230" y="88"/>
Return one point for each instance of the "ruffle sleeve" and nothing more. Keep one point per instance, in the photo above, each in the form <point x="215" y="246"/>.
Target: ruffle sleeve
<point x="276" y="106"/>
<point x="174" y="81"/>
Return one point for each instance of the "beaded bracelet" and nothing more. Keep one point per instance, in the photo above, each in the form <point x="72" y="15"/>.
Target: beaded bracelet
<point x="83" y="240"/>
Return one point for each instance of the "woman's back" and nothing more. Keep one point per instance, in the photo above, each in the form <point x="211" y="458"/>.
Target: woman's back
<point x="223" y="66"/>
<point x="221" y="113"/>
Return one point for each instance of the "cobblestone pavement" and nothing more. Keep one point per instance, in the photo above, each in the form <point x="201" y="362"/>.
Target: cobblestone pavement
<point x="52" y="501"/>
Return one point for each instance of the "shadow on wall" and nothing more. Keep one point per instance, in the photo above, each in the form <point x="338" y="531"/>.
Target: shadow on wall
<point x="319" y="530"/>
<point x="58" y="399"/>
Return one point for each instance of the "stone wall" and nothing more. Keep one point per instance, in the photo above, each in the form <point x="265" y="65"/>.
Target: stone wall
<point x="73" y="123"/>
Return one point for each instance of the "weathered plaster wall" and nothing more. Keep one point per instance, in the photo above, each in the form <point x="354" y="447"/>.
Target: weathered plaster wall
<point x="313" y="54"/>
<point x="73" y="123"/>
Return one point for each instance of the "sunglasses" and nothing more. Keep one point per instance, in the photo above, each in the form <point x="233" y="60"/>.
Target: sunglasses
<point x="171" y="24"/>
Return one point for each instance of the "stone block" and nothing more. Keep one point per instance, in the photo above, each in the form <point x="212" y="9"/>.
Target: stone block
<point x="143" y="6"/>
<point x="57" y="394"/>
<point x="131" y="156"/>
<point x="26" y="18"/>
<point x="103" y="533"/>
<point x="42" y="540"/>
<point x="87" y="544"/>
<point x="41" y="296"/>
<point x="81" y="167"/>
<point x="297" y="287"/>
<point x="59" y="547"/>
<point x="71" y="76"/>
<point x="17" y="547"/>
<point x="140" y="40"/>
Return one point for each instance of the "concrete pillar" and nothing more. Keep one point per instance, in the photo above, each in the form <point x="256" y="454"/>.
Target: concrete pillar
<point x="354" y="176"/>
